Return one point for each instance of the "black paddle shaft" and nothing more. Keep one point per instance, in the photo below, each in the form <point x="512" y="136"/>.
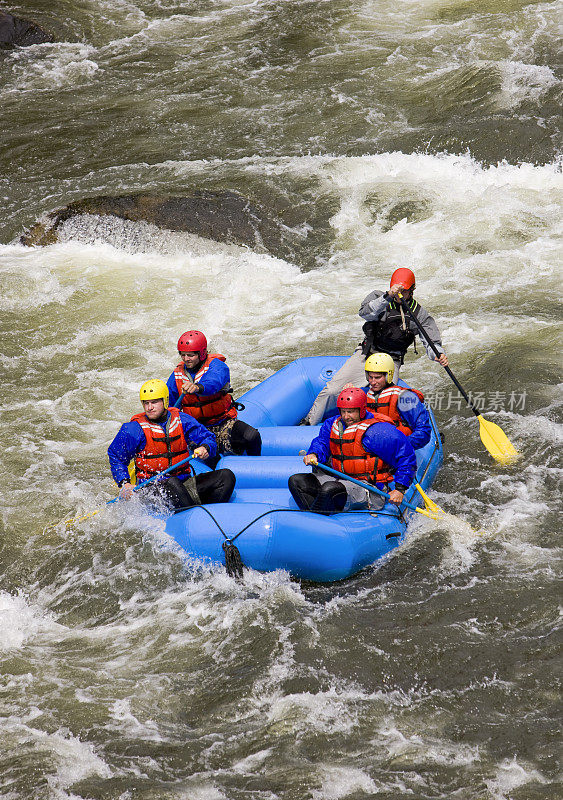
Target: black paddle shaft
<point x="435" y="349"/>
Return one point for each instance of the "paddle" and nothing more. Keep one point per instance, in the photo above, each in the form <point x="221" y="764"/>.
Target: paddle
<point x="431" y="510"/>
<point x="493" y="437"/>
<point x="178" y="402"/>
<point x="117" y="499"/>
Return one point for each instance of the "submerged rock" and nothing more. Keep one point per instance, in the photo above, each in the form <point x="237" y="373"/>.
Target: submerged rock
<point x="15" y="31"/>
<point x="223" y="216"/>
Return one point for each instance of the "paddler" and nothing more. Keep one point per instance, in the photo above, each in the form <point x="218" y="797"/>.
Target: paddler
<point x="387" y="329"/>
<point x="405" y="407"/>
<point x="156" y="439"/>
<point x="200" y="385"/>
<point x="365" y="445"/>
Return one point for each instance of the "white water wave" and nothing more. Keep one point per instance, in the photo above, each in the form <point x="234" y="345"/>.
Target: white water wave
<point x="340" y="782"/>
<point x="64" y="757"/>
<point x="524" y="82"/>
<point x="511" y="775"/>
<point x="22" y="622"/>
<point x="50" y="67"/>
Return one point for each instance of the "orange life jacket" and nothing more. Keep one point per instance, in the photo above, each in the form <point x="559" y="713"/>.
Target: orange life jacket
<point x="386" y="403"/>
<point x="349" y="456"/>
<point x="206" y="408"/>
<point x="163" y="448"/>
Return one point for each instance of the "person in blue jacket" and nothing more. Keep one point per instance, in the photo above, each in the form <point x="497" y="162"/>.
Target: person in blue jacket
<point x="361" y="444"/>
<point x="159" y="438"/>
<point x="200" y="386"/>
<point x="405" y="407"/>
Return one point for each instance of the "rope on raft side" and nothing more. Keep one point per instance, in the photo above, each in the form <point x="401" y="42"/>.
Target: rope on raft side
<point x="233" y="561"/>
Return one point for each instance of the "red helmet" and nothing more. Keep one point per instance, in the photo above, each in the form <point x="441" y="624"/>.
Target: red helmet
<point x="403" y="276"/>
<point x="353" y="398"/>
<point x="193" y="342"/>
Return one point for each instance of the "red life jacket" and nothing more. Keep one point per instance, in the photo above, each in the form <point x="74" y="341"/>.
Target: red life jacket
<point x="349" y="456"/>
<point x="386" y="403"/>
<point x="206" y="408"/>
<point x="163" y="448"/>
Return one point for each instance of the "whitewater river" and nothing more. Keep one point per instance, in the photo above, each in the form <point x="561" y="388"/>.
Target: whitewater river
<point x="420" y="133"/>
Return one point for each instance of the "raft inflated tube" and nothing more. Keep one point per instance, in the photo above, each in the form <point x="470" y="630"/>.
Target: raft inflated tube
<point x="287" y="439"/>
<point x="263" y="471"/>
<point x="274" y="401"/>
<point x="307" y="545"/>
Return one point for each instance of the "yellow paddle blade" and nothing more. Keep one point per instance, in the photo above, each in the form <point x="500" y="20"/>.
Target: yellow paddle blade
<point x="434" y="511"/>
<point x="428" y="513"/>
<point x="429" y="504"/>
<point x="79" y="519"/>
<point x="497" y="442"/>
<point x="68" y="522"/>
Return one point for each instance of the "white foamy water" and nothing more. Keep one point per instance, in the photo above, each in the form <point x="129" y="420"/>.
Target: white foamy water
<point x="371" y="135"/>
<point x="51" y="67"/>
<point x="21" y="623"/>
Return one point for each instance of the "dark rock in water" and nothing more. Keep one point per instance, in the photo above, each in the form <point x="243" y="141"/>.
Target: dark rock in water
<point x="223" y="216"/>
<point x="15" y="31"/>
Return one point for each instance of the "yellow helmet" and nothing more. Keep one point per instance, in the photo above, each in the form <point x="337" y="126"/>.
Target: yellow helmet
<point x="381" y="362"/>
<point x="154" y="390"/>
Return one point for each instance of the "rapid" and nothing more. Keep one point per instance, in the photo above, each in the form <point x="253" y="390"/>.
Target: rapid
<point x="379" y="134"/>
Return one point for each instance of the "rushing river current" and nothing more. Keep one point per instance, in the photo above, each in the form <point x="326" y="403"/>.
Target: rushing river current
<point x="420" y="133"/>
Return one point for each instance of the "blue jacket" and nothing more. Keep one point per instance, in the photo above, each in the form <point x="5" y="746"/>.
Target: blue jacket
<point x="212" y="381"/>
<point x="416" y="416"/>
<point x="382" y="440"/>
<point x="131" y="439"/>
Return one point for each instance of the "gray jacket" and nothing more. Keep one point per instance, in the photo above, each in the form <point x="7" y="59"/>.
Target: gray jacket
<point x="376" y="304"/>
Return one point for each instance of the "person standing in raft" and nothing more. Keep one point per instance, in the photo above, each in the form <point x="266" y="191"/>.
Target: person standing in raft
<point x="364" y="445"/>
<point x="404" y="406"/>
<point x="200" y="385"/>
<point x="156" y="439"/>
<point x="387" y="329"/>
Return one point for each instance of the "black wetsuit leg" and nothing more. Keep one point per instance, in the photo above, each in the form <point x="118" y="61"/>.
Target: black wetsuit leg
<point x="216" y="486"/>
<point x="304" y="488"/>
<point x="332" y="497"/>
<point x="212" y="487"/>
<point x="312" y="495"/>
<point x="171" y="491"/>
<point x="245" y="439"/>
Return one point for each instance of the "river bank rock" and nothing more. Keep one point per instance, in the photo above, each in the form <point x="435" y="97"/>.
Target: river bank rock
<point x="223" y="216"/>
<point x="15" y="31"/>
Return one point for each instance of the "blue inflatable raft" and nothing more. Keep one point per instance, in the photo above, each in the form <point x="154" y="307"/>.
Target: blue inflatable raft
<point x="263" y="519"/>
